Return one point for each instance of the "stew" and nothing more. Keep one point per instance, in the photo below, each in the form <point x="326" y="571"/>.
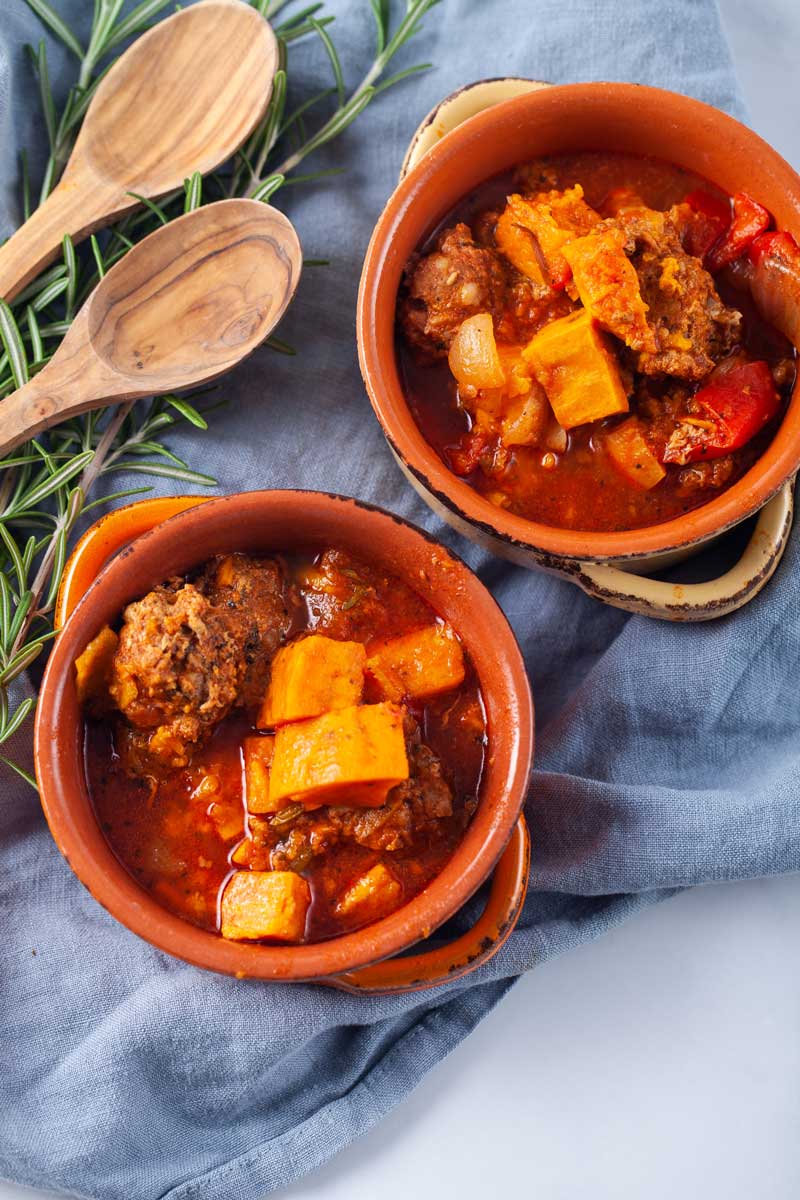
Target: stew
<point x="580" y="343"/>
<point x="282" y="749"/>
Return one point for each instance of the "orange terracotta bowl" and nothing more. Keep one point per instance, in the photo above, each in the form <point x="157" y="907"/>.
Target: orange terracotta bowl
<point x="552" y="120"/>
<point x="268" y="522"/>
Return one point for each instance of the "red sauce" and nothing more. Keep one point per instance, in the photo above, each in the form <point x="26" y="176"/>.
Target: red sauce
<point x="583" y="490"/>
<point x="177" y="840"/>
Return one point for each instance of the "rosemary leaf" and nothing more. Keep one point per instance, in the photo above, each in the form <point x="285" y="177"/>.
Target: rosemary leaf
<point x="46" y="278"/>
<point x="11" y="727"/>
<point x="15" y="557"/>
<point x="269" y="187"/>
<point x="135" y="21"/>
<point x="37" y="348"/>
<point x="187" y="410"/>
<point x="58" y="479"/>
<point x="23" y="774"/>
<point x="71" y="264"/>
<point x="14" y="346"/>
<point x="154" y="208"/>
<point x="193" y="187"/>
<point x="54" y="23"/>
<point x="45" y="92"/>
<point x="330" y="50"/>
<point x="47" y="295"/>
<point x="167" y="472"/>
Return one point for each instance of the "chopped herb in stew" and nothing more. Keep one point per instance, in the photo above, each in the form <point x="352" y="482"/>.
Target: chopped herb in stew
<point x="579" y="341"/>
<point x="282" y="749"/>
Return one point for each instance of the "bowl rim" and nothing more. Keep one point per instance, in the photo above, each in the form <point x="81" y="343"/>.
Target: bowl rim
<point x="58" y="749"/>
<point x="377" y="359"/>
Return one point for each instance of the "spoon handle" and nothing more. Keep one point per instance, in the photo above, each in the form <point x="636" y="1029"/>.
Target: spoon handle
<point x="73" y="207"/>
<point x="74" y="381"/>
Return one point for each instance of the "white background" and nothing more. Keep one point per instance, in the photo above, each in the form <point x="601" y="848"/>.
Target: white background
<point x="660" y="1063"/>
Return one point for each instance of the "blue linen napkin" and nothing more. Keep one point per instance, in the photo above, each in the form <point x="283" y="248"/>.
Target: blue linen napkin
<point x="667" y="755"/>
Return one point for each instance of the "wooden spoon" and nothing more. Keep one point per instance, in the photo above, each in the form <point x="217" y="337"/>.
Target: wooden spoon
<point x="183" y="98"/>
<point x="183" y="306"/>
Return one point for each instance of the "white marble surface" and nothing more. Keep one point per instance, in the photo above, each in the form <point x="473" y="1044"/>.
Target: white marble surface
<point x="662" y="1061"/>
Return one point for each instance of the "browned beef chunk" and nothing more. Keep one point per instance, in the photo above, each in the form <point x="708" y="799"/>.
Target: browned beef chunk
<point x="442" y="289"/>
<point x="251" y="593"/>
<point x="177" y="670"/>
<point x="413" y="808"/>
<point x="692" y="326"/>
<point x="704" y="476"/>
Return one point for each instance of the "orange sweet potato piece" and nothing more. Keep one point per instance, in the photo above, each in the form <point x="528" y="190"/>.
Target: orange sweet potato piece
<point x="531" y="232"/>
<point x="258" y="754"/>
<point x="312" y="676"/>
<point x="608" y="286"/>
<point x="418" y="664"/>
<point x="350" y="756"/>
<point x="93" y="669"/>
<point x="575" y="366"/>
<point x="373" y="895"/>
<point x="265" y="904"/>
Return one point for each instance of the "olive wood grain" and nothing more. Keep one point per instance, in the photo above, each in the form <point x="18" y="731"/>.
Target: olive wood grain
<point x="183" y="98"/>
<point x="183" y="306"/>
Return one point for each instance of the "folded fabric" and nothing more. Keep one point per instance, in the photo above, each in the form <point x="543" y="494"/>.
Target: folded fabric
<point x="667" y="755"/>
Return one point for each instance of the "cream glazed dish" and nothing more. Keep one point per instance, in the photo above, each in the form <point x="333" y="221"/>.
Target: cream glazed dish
<point x="470" y="144"/>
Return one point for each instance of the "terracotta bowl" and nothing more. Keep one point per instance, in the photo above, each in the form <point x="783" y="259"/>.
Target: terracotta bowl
<point x="550" y="120"/>
<point x="274" y="521"/>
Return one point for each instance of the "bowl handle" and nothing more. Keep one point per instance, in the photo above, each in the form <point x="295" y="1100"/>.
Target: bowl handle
<point x="414" y="972"/>
<point x="108" y="536"/>
<point x="698" y="601"/>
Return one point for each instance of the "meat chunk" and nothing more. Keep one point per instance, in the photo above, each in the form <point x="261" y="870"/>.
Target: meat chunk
<point x="706" y="476"/>
<point x="251" y="593"/>
<point x="176" y="671"/>
<point x="692" y="326"/>
<point x="442" y="289"/>
<point x="413" y="808"/>
<point x="608" y="286"/>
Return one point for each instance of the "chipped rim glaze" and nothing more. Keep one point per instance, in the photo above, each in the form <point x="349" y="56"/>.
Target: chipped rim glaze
<point x="270" y="521"/>
<point x="621" y="116"/>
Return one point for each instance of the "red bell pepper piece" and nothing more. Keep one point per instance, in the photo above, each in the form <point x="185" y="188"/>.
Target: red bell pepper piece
<point x="712" y="217"/>
<point x="777" y="244"/>
<point x="749" y="220"/>
<point x="734" y="407"/>
<point x="774" y="281"/>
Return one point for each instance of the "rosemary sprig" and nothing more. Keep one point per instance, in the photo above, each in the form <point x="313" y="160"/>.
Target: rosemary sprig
<point x="47" y="485"/>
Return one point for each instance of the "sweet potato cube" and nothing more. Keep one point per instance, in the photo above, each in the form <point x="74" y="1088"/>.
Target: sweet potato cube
<point x="627" y="448"/>
<point x="351" y="756"/>
<point x="608" y="286"/>
<point x="531" y="233"/>
<point x="93" y="669"/>
<point x="576" y="368"/>
<point x="265" y="904"/>
<point x="418" y="664"/>
<point x="258" y="752"/>
<point x="373" y="895"/>
<point x="310" y="677"/>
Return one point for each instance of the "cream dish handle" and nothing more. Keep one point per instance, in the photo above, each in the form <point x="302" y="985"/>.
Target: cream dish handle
<point x="699" y="601"/>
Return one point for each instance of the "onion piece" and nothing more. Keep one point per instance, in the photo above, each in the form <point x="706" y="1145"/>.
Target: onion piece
<point x="473" y="357"/>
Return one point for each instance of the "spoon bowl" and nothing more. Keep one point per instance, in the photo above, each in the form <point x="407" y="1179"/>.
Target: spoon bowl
<point x="183" y="306"/>
<point x="182" y="98"/>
